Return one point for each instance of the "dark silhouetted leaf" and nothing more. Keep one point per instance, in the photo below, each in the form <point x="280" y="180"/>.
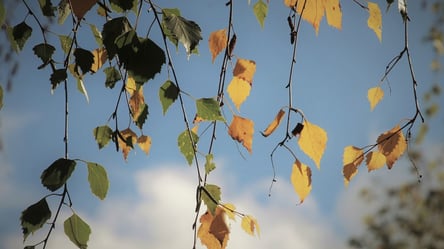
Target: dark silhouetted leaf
<point x="98" y="180"/>
<point x="34" y="217"/>
<point x="21" y="32"/>
<point x="1" y="97"/>
<point x="44" y="51"/>
<point x="168" y="93"/>
<point x="111" y="30"/>
<point x="209" y="109"/>
<point x="186" y="146"/>
<point x="102" y="134"/>
<point x="213" y="199"/>
<point x="57" y="173"/>
<point x="180" y="29"/>
<point x="112" y="76"/>
<point x="47" y="7"/>
<point x="123" y="5"/>
<point x="77" y="230"/>
<point x="84" y="59"/>
<point x="141" y="118"/>
<point x="58" y="76"/>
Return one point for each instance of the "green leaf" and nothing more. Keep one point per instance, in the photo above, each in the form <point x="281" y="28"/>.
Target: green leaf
<point x="77" y="230"/>
<point x="168" y="94"/>
<point x="44" y="51"/>
<point x="209" y="164"/>
<point x="186" y="147"/>
<point x="180" y="29"/>
<point x="120" y="6"/>
<point x="112" y="76"/>
<point x="47" y="7"/>
<point x="65" y="43"/>
<point x="63" y="11"/>
<point x="21" y="32"/>
<point x="213" y="200"/>
<point x="34" y="217"/>
<point x="209" y="109"/>
<point x="260" y="9"/>
<point x="84" y="59"/>
<point x="57" y="76"/>
<point x="2" y="13"/>
<point x="102" y="134"/>
<point x="97" y="35"/>
<point x="82" y="89"/>
<point x="57" y="173"/>
<point x="98" y="180"/>
<point x="111" y="30"/>
<point x="1" y="97"/>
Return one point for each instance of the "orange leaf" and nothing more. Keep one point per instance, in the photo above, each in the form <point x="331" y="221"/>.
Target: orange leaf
<point x="127" y="144"/>
<point x="374" y="95"/>
<point x="352" y="158"/>
<point x="312" y="141"/>
<point x="301" y="179"/>
<point x="274" y="124"/>
<point x="144" y="143"/>
<point x="374" y="20"/>
<point x="100" y="57"/>
<point x="242" y="129"/>
<point x="374" y="160"/>
<point x="245" y="70"/>
<point x="217" y="42"/>
<point x="392" y="145"/>
<point x="238" y="90"/>
<point x="250" y="225"/>
<point x="213" y="231"/>
<point x="80" y="7"/>
<point x="314" y="10"/>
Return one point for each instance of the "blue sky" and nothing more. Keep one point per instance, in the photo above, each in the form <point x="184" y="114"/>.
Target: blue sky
<point x="151" y="198"/>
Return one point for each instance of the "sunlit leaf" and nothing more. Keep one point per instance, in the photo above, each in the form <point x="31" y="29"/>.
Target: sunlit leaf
<point x="249" y="225"/>
<point x="168" y="94"/>
<point x="211" y="197"/>
<point x="102" y="134"/>
<point x="138" y="107"/>
<point x="351" y="159"/>
<point x="180" y="29"/>
<point x="100" y="57"/>
<point x="274" y="124"/>
<point x="209" y="163"/>
<point x="56" y="175"/>
<point x="126" y="140"/>
<point x="144" y="143"/>
<point x="374" y="160"/>
<point x="213" y="231"/>
<point x="186" y="145"/>
<point x="209" y="109"/>
<point x="82" y="89"/>
<point x="301" y="179"/>
<point x="260" y="9"/>
<point x="47" y="8"/>
<point x="97" y="35"/>
<point x="314" y="10"/>
<point x="229" y="210"/>
<point x="98" y="180"/>
<point x="217" y="42"/>
<point x="34" y="217"/>
<point x="238" y="90"/>
<point x="80" y="7"/>
<point x="245" y="69"/>
<point x="312" y="141"/>
<point x="374" y="21"/>
<point x="65" y="43"/>
<point x="242" y="129"/>
<point x="112" y="76"/>
<point x="374" y="96"/>
<point x="63" y="11"/>
<point x="392" y="145"/>
<point x="77" y="230"/>
<point x="123" y="5"/>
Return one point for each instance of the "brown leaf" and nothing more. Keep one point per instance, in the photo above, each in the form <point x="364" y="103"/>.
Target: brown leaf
<point x="352" y="158"/>
<point x="213" y="231"/>
<point x="127" y="144"/>
<point x="392" y="145"/>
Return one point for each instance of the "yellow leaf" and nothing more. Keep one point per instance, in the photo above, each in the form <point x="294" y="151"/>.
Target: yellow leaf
<point x="242" y="129"/>
<point x="374" y="21"/>
<point x="137" y="103"/>
<point x="74" y="72"/>
<point x="245" y="70"/>
<point x="126" y="145"/>
<point x="144" y="143"/>
<point x="100" y="57"/>
<point x="80" y="7"/>
<point x="374" y="160"/>
<point x="213" y="231"/>
<point x="351" y="159"/>
<point x="374" y="95"/>
<point x="130" y="85"/>
<point x="229" y="210"/>
<point x="238" y="90"/>
<point x="392" y="145"/>
<point x="301" y="179"/>
<point x="312" y="141"/>
<point x="217" y="42"/>
<point x="274" y="124"/>
<point x="250" y="225"/>
<point x="314" y="11"/>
